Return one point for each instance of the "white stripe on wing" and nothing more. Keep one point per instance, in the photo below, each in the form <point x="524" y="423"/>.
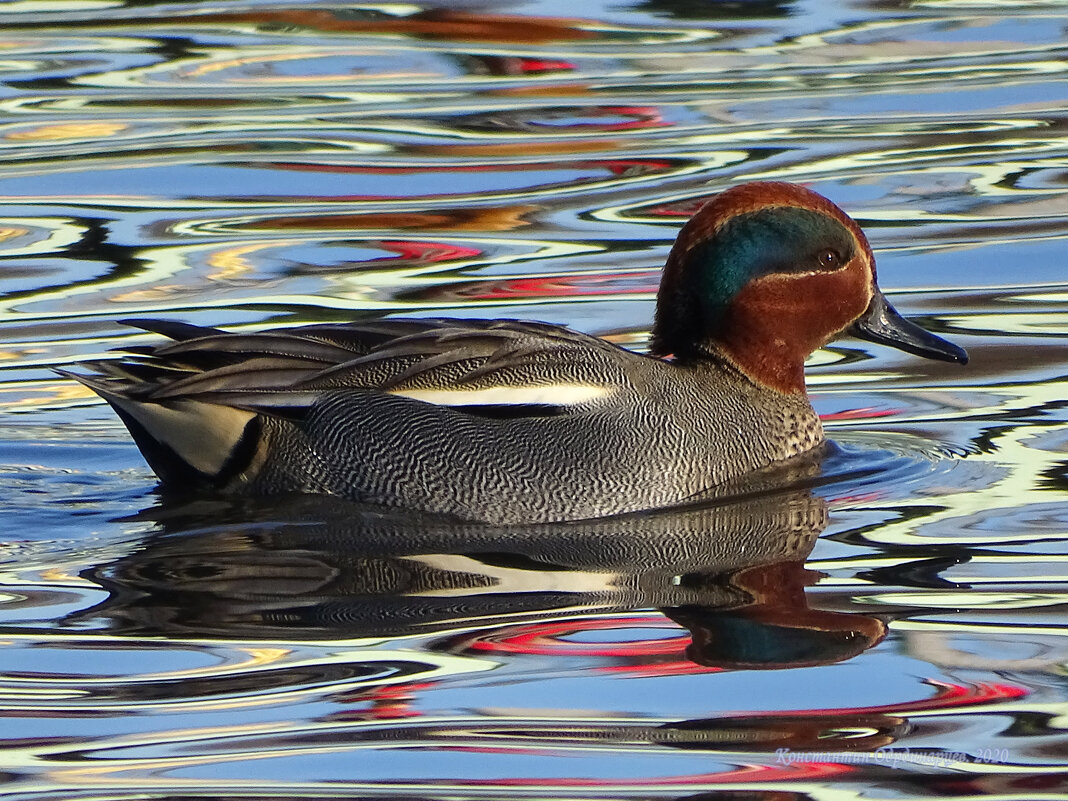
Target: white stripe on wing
<point x="535" y="395"/>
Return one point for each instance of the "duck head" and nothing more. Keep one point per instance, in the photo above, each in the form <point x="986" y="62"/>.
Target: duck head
<point x="764" y="274"/>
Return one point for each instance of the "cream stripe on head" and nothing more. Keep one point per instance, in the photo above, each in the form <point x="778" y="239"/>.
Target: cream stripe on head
<point x="536" y="395"/>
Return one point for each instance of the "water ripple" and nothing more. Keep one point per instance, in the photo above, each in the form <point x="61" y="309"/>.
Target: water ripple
<point x="893" y="621"/>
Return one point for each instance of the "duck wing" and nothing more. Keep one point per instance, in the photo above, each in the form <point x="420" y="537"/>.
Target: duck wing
<point x="489" y="367"/>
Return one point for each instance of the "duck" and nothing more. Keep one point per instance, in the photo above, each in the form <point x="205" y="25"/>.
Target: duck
<point x="515" y="422"/>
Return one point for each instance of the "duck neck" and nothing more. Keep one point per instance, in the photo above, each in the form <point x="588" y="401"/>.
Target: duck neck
<point x="765" y="367"/>
<point x="775" y="364"/>
<point x="772" y="364"/>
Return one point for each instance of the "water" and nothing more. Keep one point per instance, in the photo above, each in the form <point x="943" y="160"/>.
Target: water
<point x="892" y="627"/>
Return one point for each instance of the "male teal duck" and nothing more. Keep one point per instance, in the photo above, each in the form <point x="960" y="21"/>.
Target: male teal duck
<point x="507" y="422"/>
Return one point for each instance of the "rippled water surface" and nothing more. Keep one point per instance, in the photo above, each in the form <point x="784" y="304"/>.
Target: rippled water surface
<point x="894" y="628"/>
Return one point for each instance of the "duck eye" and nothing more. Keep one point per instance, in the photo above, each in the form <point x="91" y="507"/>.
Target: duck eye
<point x="828" y="259"/>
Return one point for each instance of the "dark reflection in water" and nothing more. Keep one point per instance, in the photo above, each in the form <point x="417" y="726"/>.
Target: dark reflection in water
<point x="731" y="572"/>
<point x="702" y="9"/>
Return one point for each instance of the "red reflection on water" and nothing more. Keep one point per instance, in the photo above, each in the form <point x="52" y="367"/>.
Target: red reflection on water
<point x="641" y="117"/>
<point x="634" y="166"/>
<point x="431" y="252"/>
<point x="434" y="23"/>
<point x="582" y="118"/>
<point x="387" y="702"/>
<point x="515" y="65"/>
<point x="547" y="639"/>
<point x="552" y="286"/>
<point x="746" y="773"/>
<point x="864" y="413"/>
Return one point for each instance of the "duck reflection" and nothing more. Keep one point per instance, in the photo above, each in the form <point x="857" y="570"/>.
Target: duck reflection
<point x="731" y="571"/>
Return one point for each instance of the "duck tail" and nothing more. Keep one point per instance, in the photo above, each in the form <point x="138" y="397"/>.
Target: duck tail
<point x="187" y="442"/>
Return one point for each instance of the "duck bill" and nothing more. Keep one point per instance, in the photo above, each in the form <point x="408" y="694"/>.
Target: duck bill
<point x="881" y="323"/>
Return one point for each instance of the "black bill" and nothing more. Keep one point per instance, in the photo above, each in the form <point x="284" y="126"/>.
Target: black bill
<point x="881" y="323"/>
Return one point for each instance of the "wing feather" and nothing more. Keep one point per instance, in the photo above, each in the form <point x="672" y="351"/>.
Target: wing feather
<point x="461" y="363"/>
<point x="254" y="345"/>
<point x="172" y="329"/>
<point x="256" y="373"/>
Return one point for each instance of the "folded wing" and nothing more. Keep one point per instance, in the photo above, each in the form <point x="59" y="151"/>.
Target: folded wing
<point x="197" y="399"/>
